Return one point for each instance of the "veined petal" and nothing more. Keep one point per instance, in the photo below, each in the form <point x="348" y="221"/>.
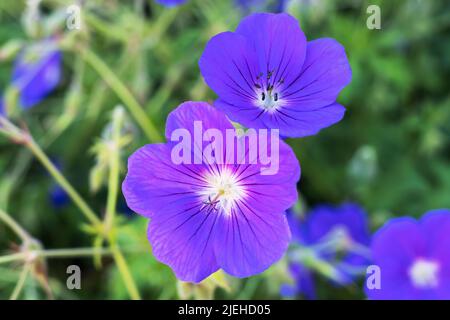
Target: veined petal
<point x="229" y="67"/>
<point x="294" y="122"/>
<point x="256" y="233"/>
<point x="325" y="73"/>
<point x="248" y="241"/>
<point x="279" y="43"/>
<point x="192" y="120"/>
<point x="187" y="113"/>
<point x="154" y="184"/>
<point x="184" y="241"/>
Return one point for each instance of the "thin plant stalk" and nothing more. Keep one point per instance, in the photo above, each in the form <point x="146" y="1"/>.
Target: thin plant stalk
<point x="135" y="109"/>
<point x="21" y="283"/>
<point x="17" y="228"/>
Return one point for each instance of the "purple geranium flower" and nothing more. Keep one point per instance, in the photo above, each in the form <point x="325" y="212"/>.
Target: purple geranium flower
<point x="170" y="3"/>
<point x="2" y="106"/>
<point x="338" y="235"/>
<point x="37" y="72"/>
<point x="303" y="277"/>
<point x="342" y="230"/>
<point x="413" y="257"/>
<point x="268" y="76"/>
<point x="206" y="216"/>
<point x="304" y="283"/>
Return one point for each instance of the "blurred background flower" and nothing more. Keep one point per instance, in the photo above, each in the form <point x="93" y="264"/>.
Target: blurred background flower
<point x="36" y="72"/>
<point x="331" y="240"/>
<point x="413" y="258"/>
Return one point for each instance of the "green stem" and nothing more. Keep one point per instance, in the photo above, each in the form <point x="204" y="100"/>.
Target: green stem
<point x="73" y="194"/>
<point x="63" y="253"/>
<point x="22" y="233"/>
<point x="13" y="257"/>
<point x="79" y="252"/>
<point x="21" y="283"/>
<point x="113" y="190"/>
<point x="124" y="94"/>
<point x="125" y="272"/>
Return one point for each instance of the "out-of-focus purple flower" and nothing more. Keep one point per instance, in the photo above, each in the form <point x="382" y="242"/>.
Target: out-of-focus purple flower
<point x="337" y="235"/>
<point x="2" y="106"/>
<point x="413" y="257"/>
<point x="303" y="283"/>
<point x="208" y="216"/>
<point x="262" y="5"/>
<point x="170" y="3"/>
<point x="58" y="197"/>
<point x="303" y="277"/>
<point x="340" y="231"/>
<point x="268" y="76"/>
<point x="37" y="72"/>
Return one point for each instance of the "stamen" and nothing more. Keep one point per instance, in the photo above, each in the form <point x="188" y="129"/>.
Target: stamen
<point x="268" y="99"/>
<point x="222" y="191"/>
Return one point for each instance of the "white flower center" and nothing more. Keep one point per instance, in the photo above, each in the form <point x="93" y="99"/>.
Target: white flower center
<point x="223" y="190"/>
<point x="341" y="235"/>
<point x="268" y="100"/>
<point x="424" y="274"/>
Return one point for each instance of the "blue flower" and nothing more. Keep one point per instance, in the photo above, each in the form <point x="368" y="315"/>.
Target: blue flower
<point x="58" y="197"/>
<point x="338" y="236"/>
<point x="267" y="75"/>
<point x="2" y="106"/>
<point x="336" y="231"/>
<point x="37" y="72"/>
<point x="208" y="216"/>
<point x="413" y="257"/>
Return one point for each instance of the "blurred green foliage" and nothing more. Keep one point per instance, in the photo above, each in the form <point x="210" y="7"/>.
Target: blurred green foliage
<point x="391" y="152"/>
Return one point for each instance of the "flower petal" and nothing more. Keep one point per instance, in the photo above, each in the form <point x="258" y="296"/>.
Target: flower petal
<point x="155" y="185"/>
<point x="325" y="73"/>
<point x="191" y="121"/>
<point x="35" y="80"/>
<point x="229" y="68"/>
<point x="436" y="224"/>
<point x="187" y="113"/>
<point x="394" y="248"/>
<point x="184" y="241"/>
<point x="249" y="241"/>
<point x="279" y="43"/>
<point x="301" y="123"/>
<point x="255" y="234"/>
